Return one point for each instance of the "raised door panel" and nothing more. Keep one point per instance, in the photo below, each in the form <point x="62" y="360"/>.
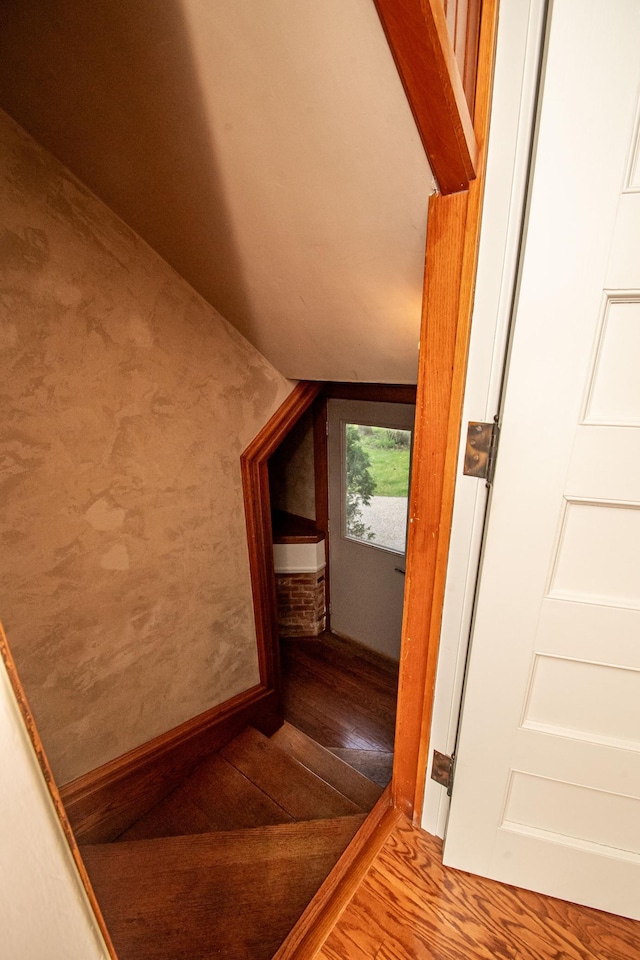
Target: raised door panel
<point x="547" y="790"/>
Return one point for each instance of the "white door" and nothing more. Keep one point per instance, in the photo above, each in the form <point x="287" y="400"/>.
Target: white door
<point x="369" y="468"/>
<point x="515" y="83"/>
<point x="547" y="785"/>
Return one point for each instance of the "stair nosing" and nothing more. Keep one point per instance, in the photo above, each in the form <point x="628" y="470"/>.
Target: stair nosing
<point x="265" y="743"/>
<point x="343" y="766"/>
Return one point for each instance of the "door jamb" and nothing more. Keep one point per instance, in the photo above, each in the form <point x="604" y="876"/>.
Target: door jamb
<point x="254" y="467"/>
<point x="257" y="501"/>
<point x="519" y="61"/>
<point x="453" y="232"/>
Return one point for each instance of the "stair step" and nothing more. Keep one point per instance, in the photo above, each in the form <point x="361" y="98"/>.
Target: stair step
<point x="216" y="796"/>
<point x="349" y="782"/>
<point x="291" y="785"/>
<point x="233" y="894"/>
<point x="376" y="765"/>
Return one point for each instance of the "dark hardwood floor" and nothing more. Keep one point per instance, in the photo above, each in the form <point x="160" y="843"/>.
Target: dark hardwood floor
<point x="343" y="696"/>
<point x="232" y="895"/>
<point x="225" y="864"/>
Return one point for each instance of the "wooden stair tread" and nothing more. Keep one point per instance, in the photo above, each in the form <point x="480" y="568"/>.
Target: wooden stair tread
<point x="292" y="786"/>
<point x="216" y="796"/>
<point x="325" y="764"/>
<point x="168" y="819"/>
<point x="375" y="765"/>
<point x="234" y="894"/>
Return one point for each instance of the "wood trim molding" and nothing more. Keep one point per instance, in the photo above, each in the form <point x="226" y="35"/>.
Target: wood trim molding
<point x="36" y="742"/>
<point x="422" y="49"/>
<point x="452" y="250"/>
<point x="257" y="508"/>
<point x="282" y="421"/>
<point x="291" y="528"/>
<point x="321" y="492"/>
<point x="374" y="392"/>
<point x="105" y="801"/>
<point x="254" y="464"/>
<point x="463" y="21"/>
<point x="470" y="72"/>
<point x="321" y="915"/>
<point x="321" y="465"/>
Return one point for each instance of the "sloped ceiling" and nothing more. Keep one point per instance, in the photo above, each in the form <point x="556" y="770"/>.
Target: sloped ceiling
<point x="264" y="148"/>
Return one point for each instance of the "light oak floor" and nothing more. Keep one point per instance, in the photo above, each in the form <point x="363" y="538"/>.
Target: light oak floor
<point x="410" y="907"/>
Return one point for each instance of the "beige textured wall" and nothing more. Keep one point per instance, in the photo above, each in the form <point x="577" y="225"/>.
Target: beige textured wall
<point x="291" y="471"/>
<point x="126" y="401"/>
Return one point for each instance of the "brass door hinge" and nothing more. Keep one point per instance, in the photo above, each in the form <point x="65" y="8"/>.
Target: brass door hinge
<point x="481" y="449"/>
<point x="442" y="770"/>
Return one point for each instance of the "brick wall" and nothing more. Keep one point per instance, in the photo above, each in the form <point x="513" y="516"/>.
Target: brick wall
<point x="301" y="604"/>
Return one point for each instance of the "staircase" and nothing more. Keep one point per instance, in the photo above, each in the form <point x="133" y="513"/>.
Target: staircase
<point x="225" y="865"/>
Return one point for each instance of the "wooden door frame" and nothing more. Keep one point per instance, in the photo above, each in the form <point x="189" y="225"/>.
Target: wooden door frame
<point x="453" y="234"/>
<point x="439" y="93"/>
<point x="254" y="466"/>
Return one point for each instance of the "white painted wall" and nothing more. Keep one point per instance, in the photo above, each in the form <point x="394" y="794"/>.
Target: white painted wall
<point x="44" y="914"/>
<point x="299" y="557"/>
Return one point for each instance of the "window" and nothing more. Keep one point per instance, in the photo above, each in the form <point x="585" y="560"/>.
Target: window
<point x="376" y="485"/>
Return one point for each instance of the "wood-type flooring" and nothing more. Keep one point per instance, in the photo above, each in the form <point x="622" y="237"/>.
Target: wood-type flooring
<point x="228" y="894"/>
<point x="343" y="696"/>
<point x="258" y="850"/>
<point x="410" y="907"/>
<point x="255" y="781"/>
<point x="226" y="863"/>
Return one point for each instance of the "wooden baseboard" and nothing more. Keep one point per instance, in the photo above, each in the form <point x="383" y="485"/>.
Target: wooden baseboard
<point x="104" y="802"/>
<point x="322" y="914"/>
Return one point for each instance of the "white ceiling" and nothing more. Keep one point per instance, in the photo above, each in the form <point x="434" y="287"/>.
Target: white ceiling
<point x="264" y="148"/>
